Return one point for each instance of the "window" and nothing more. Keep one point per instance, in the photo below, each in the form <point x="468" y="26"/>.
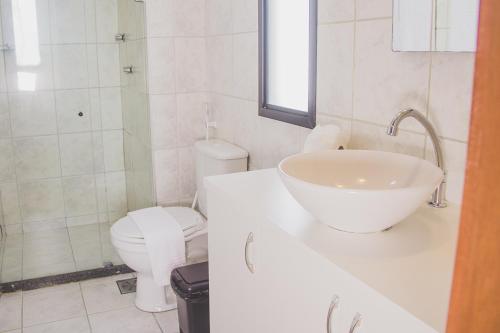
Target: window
<point x="287" y="61"/>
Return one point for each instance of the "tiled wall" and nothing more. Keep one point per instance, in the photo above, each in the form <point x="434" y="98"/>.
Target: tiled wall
<point x="177" y="91"/>
<point x="362" y="84"/>
<point x="59" y="169"/>
<point x="136" y="118"/>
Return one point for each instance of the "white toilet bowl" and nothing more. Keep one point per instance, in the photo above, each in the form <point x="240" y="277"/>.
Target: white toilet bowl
<point x="213" y="157"/>
<point x="130" y="246"/>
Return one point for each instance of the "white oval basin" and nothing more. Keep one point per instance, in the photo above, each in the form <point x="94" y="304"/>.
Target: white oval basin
<point x="359" y="190"/>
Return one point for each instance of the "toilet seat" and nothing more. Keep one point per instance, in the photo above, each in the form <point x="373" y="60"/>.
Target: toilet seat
<point x="191" y="222"/>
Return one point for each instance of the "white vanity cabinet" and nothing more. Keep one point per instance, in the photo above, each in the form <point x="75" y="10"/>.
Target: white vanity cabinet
<point x="284" y="279"/>
<point x="299" y="292"/>
<point x="234" y="288"/>
<point x="299" y="287"/>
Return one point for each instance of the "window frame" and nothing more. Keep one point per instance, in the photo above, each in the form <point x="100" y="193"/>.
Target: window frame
<point x="276" y="112"/>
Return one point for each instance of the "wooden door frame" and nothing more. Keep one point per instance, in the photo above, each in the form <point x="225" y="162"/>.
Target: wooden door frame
<point x="475" y="299"/>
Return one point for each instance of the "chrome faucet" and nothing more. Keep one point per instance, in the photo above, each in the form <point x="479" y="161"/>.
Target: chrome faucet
<point x="438" y="197"/>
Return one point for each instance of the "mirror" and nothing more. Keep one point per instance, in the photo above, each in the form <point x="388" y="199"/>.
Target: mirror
<point x="435" y="25"/>
<point x="287" y="60"/>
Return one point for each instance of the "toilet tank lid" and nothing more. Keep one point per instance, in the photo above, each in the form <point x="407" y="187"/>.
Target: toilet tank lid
<point x="220" y="149"/>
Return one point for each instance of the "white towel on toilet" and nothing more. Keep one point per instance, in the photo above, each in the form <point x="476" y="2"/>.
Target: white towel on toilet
<point x="164" y="241"/>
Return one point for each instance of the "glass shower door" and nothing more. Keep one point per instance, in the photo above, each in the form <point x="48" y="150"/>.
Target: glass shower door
<point x="74" y="132"/>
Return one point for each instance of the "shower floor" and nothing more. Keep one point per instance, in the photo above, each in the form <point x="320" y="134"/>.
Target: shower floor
<point x="50" y="252"/>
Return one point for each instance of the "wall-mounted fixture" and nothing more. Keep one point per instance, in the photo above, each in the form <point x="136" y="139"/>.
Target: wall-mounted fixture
<point x="120" y="37"/>
<point x="435" y="25"/>
<point x="287" y="61"/>
<point x="128" y="69"/>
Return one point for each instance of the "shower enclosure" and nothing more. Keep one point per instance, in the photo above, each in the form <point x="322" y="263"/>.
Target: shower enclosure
<point x="74" y="132"/>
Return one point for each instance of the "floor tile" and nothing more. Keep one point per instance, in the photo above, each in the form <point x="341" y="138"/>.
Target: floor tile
<point x="168" y="321"/>
<point x="52" y="304"/>
<point x="129" y="320"/>
<point x="10" y="311"/>
<point x="102" y="295"/>
<point x="74" y="325"/>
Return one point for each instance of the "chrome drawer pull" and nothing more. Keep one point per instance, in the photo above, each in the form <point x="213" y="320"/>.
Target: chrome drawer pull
<point x="333" y="305"/>
<point x="356" y="321"/>
<point x="250" y="266"/>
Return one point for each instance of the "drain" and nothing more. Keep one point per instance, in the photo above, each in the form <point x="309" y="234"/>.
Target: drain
<point x="127" y="286"/>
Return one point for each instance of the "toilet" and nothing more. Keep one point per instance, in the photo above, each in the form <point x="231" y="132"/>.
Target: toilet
<point x="213" y="157"/>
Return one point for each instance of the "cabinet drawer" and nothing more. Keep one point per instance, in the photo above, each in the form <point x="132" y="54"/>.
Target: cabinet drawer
<point x="298" y="287"/>
<point x="379" y="314"/>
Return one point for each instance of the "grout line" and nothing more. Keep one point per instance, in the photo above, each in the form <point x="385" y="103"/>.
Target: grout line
<point x="100" y="134"/>
<point x="11" y="91"/>
<point x="175" y="41"/>
<point x="22" y="310"/>
<point x="338" y="22"/>
<point x="226" y="34"/>
<point x="65" y="133"/>
<point x="74" y="43"/>
<point x="374" y="19"/>
<point x="52" y="92"/>
<point x="46" y="323"/>
<point x="158" y="323"/>
<point x="16" y="180"/>
<point x="35" y="180"/>
<point x="85" y="306"/>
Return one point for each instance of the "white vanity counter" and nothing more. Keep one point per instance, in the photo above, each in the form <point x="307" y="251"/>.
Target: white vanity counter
<point x="411" y="264"/>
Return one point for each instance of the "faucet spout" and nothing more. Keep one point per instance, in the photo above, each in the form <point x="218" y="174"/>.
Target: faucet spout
<point x="438" y="197"/>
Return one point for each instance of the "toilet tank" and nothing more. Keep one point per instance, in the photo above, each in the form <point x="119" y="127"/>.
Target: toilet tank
<point x="216" y="157"/>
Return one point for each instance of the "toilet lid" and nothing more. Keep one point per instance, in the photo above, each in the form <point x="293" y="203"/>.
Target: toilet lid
<point x="186" y="217"/>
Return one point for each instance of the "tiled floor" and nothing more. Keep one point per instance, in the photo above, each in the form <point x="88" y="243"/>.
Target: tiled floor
<point x="91" y="306"/>
<point x="50" y="252"/>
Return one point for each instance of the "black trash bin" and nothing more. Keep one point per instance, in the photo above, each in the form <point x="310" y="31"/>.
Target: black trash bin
<point x="190" y="283"/>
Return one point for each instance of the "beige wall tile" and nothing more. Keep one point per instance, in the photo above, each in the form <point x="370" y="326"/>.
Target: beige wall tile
<point x="335" y="68"/>
<point x="449" y="109"/>
<point x="69" y="103"/>
<point x="79" y="195"/>
<point x="37" y="157"/>
<point x="163" y="110"/>
<point x="32" y="113"/>
<point x="190" y="64"/>
<point x="245" y="66"/>
<point x="41" y="200"/>
<point x="374" y="137"/>
<point x="219" y="17"/>
<point x="384" y="81"/>
<point x="161" y="65"/>
<point x="7" y="162"/>
<point x="76" y="154"/>
<point x="368" y="9"/>
<point x="166" y="176"/>
<point x="335" y="11"/>
<point x="190" y="118"/>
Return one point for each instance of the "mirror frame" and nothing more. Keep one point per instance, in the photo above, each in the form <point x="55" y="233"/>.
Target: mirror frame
<point x="276" y="112"/>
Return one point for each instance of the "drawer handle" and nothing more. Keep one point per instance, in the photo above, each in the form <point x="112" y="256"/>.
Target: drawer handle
<point x="356" y="321"/>
<point x="250" y="266"/>
<point x="333" y="305"/>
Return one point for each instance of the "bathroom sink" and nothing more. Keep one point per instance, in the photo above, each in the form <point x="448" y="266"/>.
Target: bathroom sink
<point x="359" y="190"/>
